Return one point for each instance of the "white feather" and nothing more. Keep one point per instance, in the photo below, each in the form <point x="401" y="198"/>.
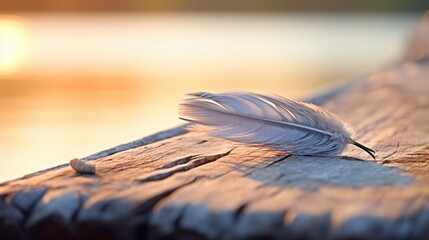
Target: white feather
<point x="292" y="126"/>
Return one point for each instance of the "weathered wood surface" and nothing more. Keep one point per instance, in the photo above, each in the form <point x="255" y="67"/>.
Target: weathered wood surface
<point x="185" y="185"/>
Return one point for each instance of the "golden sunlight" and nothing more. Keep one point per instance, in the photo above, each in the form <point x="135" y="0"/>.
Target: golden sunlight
<point x="13" y="43"/>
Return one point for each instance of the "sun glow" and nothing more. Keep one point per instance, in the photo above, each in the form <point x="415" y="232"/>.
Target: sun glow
<point x="13" y="43"/>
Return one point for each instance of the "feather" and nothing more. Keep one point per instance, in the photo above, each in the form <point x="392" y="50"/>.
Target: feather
<point x="287" y="125"/>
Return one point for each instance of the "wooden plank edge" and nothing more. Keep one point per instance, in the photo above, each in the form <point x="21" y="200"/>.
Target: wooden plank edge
<point x="173" y="132"/>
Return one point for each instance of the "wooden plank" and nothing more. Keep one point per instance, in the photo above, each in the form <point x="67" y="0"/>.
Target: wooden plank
<point x="189" y="185"/>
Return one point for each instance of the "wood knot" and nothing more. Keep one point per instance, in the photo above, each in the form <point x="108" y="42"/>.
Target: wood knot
<point x="82" y="166"/>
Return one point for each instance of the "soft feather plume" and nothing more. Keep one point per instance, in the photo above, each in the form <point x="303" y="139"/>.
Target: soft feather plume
<point x="287" y="125"/>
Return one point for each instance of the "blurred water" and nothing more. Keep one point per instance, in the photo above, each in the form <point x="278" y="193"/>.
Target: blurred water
<point x="71" y="85"/>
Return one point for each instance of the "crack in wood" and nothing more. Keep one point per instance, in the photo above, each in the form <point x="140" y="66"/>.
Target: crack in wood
<point x="196" y="162"/>
<point x="170" y="151"/>
<point x="201" y="142"/>
<point x="179" y="161"/>
<point x="391" y="154"/>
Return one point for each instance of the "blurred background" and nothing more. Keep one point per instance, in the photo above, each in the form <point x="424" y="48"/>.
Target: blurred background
<point x="77" y="76"/>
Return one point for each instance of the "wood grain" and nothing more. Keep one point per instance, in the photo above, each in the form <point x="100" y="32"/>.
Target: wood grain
<point x="176" y="184"/>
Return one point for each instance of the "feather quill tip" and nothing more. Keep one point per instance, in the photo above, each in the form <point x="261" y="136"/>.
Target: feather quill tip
<point x="365" y="148"/>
